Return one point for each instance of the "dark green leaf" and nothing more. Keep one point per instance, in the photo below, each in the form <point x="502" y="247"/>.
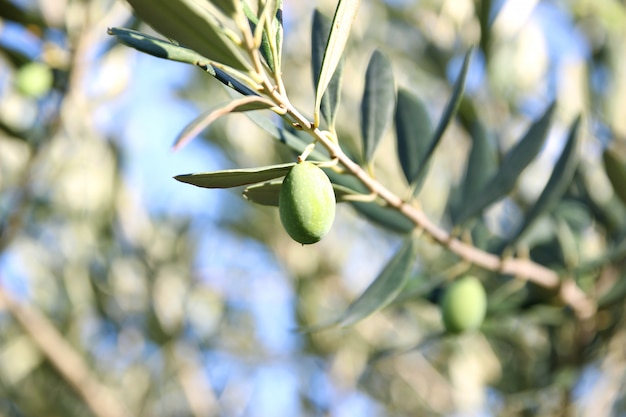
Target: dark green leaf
<point x="190" y="23"/>
<point x="515" y="161"/>
<point x="560" y="179"/>
<point x="265" y="48"/>
<point x="377" y="103"/>
<point x="485" y="19"/>
<point x="228" y="7"/>
<point x="163" y="49"/>
<point x="278" y="23"/>
<point x="385" y="288"/>
<point x="386" y="217"/>
<point x="413" y="131"/>
<point x="482" y="162"/>
<point x="10" y="11"/>
<point x="340" y="31"/>
<point x="319" y="39"/>
<point x="616" y="171"/>
<point x="235" y="177"/>
<point x="449" y="112"/>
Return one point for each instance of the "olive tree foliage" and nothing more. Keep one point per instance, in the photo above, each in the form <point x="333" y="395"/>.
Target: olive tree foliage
<point x="457" y="145"/>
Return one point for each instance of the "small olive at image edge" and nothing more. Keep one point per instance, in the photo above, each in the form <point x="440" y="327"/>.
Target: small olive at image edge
<point x="464" y="305"/>
<point x="306" y="203"/>
<point x="34" y="79"/>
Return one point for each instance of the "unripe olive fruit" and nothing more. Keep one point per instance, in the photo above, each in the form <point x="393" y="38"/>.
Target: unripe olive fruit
<point x="464" y="305"/>
<point x="306" y="203"/>
<point x="34" y="79"/>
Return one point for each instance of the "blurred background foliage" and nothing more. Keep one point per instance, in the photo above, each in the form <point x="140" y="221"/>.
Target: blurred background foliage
<point x="176" y="301"/>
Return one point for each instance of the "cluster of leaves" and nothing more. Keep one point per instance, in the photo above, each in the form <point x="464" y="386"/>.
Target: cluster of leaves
<point x="227" y="56"/>
<point x="215" y="38"/>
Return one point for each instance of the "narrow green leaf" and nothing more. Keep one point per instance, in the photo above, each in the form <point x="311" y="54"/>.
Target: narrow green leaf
<point x="265" y="48"/>
<point x="413" y="131"/>
<point x="386" y="217"/>
<point x="227" y="80"/>
<point x="385" y="288"/>
<point x="482" y="163"/>
<point x="515" y="161"/>
<point x="229" y="7"/>
<point x="616" y="171"/>
<point x="319" y="39"/>
<point x="156" y="47"/>
<point x="163" y="49"/>
<point x="485" y="20"/>
<point x="378" y="102"/>
<point x="556" y="186"/>
<point x="340" y="31"/>
<point x="191" y="23"/>
<point x="203" y="121"/>
<point x="449" y="112"/>
<point x="235" y="177"/>
<point x="267" y="193"/>
<point x="278" y="23"/>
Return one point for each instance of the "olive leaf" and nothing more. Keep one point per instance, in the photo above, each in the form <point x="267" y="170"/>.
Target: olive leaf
<point x="482" y="162"/>
<point x="385" y="288"/>
<point x="253" y="19"/>
<point x="616" y="171"/>
<point x="339" y="33"/>
<point x="167" y="50"/>
<point x="235" y="177"/>
<point x="413" y="131"/>
<point x="556" y="186"/>
<point x="191" y="23"/>
<point x="514" y="162"/>
<point x="319" y="39"/>
<point x="448" y="113"/>
<point x="377" y="103"/>
<point x="229" y="7"/>
<point x="201" y="122"/>
<point x="156" y="47"/>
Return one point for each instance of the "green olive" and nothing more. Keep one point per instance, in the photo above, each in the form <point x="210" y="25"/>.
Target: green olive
<point x="34" y="79"/>
<point x="464" y="305"/>
<point x="306" y="203"/>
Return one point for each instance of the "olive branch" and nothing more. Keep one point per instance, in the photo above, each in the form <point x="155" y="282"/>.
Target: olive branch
<point x="240" y="45"/>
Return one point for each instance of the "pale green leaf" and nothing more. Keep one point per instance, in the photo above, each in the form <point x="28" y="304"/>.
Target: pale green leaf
<point x="340" y="31"/>
<point x="235" y="177"/>
<point x="319" y="39"/>
<point x="201" y="122"/>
